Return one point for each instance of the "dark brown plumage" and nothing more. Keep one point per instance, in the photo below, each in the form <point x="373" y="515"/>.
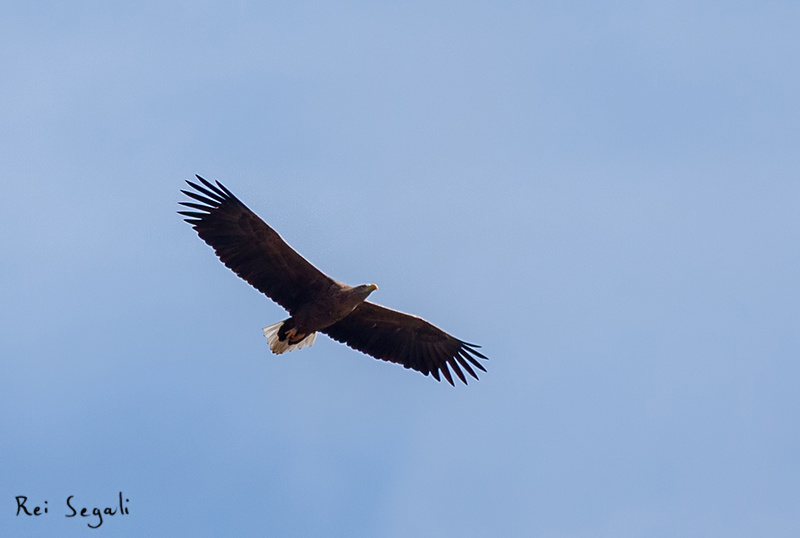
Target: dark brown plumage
<point x="316" y="302"/>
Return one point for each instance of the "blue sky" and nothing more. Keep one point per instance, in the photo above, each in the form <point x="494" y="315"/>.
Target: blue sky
<point x="605" y="196"/>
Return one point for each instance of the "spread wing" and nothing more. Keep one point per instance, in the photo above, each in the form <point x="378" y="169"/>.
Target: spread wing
<point x="393" y="336"/>
<point x="250" y="248"/>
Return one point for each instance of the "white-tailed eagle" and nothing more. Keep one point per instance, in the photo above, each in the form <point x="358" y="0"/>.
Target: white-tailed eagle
<point x="316" y="302"/>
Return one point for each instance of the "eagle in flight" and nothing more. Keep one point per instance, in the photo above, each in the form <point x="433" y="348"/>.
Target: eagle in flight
<point x="315" y="301"/>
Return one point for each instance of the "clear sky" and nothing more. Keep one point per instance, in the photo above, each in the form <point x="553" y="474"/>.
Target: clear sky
<point x="605" y="196"/>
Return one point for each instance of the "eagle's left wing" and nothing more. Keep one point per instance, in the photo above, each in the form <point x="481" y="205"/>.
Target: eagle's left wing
<point x="394" y="336"/>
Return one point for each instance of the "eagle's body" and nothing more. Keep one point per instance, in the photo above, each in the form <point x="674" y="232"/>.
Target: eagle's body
<point x="316" y="302"/>
<point x="327" y="308"/>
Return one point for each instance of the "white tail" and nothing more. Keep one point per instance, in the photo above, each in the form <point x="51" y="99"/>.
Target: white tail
<point x="278" y="347"/>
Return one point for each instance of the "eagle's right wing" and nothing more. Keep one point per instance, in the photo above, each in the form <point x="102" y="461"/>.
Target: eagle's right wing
<point x="251" y="249"/>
